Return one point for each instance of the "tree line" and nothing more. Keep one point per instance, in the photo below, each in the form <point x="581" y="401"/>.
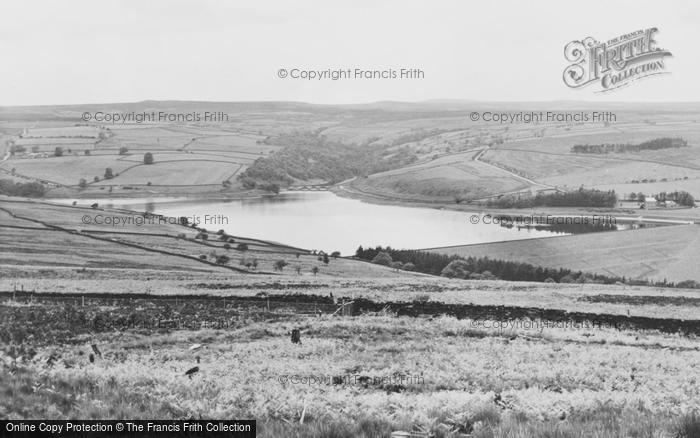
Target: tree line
<point x="485" y="268"/>
<point x="311" y="156"/>
<point x="579" y="198"/>
<point x="680" y="197"/>
<point x="459" y="267"/>
<point x="606" y="148"/>
<point x="27" y="190"/>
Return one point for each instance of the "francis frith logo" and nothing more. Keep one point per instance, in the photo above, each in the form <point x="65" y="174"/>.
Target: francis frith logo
<point x="615" y="63"/>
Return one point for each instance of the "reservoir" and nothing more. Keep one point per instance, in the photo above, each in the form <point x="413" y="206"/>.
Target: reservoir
<point x="325" y="221"/>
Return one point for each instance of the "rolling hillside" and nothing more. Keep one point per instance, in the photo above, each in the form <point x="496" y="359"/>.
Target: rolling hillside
<point x="669" y="252"/>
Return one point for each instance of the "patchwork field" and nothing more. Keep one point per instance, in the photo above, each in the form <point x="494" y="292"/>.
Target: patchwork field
<point x="560" y="140"/>
<point x="210" y="154"/>
<point x="69" y="170"/>
<point x="48" y="144"/>
<point x="178" y="173"/>
<point x="517" y="157"/>
<point x="168" y="156"/>
<point x="601" y="171"/>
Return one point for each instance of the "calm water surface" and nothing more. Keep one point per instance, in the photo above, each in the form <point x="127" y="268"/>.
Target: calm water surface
<point x="324" y="221"/>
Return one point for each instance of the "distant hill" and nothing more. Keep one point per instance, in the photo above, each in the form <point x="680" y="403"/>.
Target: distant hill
<point x="428" y="105"/>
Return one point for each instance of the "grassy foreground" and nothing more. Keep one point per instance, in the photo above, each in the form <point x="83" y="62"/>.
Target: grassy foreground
<point x="350" y="377"/>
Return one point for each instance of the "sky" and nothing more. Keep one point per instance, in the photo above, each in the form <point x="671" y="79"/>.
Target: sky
<point x="97" y="51"/>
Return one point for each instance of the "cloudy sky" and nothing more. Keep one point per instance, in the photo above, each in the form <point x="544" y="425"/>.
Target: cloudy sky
<point x="88" y="51"/>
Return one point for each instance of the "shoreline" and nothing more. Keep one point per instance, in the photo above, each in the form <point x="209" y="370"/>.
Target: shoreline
<point x="676" y="216"/>
<point x="625" y="215"/>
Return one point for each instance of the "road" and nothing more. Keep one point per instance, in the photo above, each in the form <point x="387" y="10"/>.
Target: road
<point x="529" y="181"/>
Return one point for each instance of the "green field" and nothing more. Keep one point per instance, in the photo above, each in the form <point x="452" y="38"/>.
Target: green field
<point x="652" y="253"/>
<point x="442" y="179"/>
<point x="178" y="172"/>
<point x="68" y="170"/>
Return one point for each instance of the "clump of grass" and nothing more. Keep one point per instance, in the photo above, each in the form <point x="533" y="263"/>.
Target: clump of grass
<point x="365" y="428"/>
<point x="479" y="423"/>
<point x="33" y="395"/>
<point x="423" y="298"/>
<point x="689" y="426"/>
<point x="487" y="415"/>
<point x="603" y="422"/>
